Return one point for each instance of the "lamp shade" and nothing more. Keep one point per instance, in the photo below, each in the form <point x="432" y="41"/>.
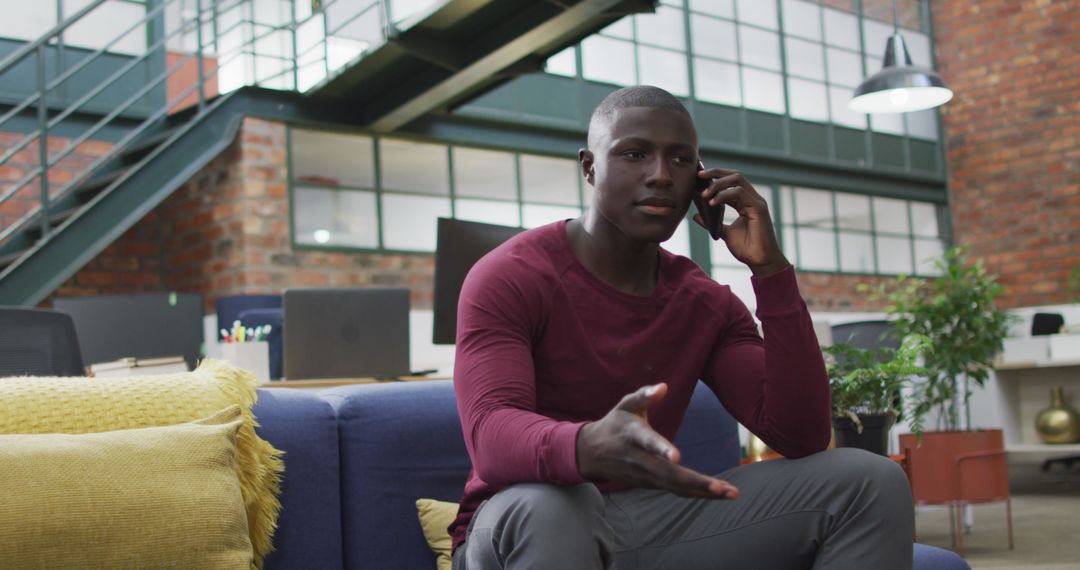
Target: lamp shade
<point x="900" y="87"/>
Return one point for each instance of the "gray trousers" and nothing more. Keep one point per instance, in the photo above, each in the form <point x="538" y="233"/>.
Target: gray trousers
<point x="841" y="509"/>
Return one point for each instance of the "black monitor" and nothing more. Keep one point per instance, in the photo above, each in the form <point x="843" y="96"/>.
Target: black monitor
<point x="459" y="244"/>
<point x="111" y="327"/>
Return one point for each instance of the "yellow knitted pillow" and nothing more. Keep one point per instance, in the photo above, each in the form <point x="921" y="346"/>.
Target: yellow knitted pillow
<point x="160" y="497"/>
<point x="84" y="405"/>
<point x="435" y="518"/>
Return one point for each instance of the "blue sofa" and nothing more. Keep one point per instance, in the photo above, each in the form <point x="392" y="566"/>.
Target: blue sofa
<point x="357" y="458"/>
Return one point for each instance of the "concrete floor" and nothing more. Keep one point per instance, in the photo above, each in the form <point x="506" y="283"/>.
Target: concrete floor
<point x="1046" y="523"/>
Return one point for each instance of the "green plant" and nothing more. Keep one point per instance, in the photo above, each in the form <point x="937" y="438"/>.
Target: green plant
<point x="869" y="381"/>
<point x="956" y="312"/>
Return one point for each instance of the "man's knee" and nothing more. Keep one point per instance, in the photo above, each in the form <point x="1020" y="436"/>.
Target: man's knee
<point x="551" y="507"/>
<point x="857" y="465"/>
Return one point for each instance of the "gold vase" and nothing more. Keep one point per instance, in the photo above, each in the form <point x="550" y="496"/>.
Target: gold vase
<point x="756" y="450"/>
<point x="1059" y="423"/>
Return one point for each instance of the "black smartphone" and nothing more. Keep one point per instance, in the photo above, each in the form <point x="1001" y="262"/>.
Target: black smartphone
<point x="713" y="216"/>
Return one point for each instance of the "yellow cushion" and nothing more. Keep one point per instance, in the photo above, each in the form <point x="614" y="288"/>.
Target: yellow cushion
<point x="160" y="497"/>
<point x="435" y="518"/>
<point x="86" y="405"/>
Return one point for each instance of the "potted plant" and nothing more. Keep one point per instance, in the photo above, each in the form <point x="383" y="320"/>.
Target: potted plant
<point x="956" y="312"/>
<point x="866" y="385"/>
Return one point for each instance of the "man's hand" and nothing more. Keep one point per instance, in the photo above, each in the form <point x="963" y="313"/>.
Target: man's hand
<point x="750" y="238"/>
<point x="622" y="447"/>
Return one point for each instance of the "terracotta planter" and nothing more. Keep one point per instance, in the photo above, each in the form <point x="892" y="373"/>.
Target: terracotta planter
<point x="957" y="466"/>
<point x="875" y="435"/>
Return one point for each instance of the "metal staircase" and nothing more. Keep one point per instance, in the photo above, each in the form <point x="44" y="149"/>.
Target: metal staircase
<point x="428" y="61"/>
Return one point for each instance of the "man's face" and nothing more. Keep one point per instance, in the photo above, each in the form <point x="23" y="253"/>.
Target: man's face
<point x="643" y="165"/>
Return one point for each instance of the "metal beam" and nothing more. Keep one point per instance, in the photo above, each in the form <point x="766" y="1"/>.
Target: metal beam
<point x="572" y="23"/>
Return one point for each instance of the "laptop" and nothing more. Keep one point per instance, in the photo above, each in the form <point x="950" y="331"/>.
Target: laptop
<point x="345" y="333"/>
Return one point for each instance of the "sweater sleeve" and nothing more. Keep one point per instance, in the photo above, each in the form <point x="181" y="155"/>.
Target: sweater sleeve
<point x="494" y="379"/>
<point x="778" y="388"/>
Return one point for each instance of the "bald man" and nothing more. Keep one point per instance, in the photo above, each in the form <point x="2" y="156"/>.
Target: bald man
<point x="579" y="346"/>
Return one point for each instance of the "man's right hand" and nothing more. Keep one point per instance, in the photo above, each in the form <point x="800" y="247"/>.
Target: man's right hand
<point x="622" y="447"/>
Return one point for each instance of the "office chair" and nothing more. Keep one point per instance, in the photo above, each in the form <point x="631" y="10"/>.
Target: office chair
<point x="273" y="317"/>
<point x="229" y="307"/>
<point x="38" y="342"/>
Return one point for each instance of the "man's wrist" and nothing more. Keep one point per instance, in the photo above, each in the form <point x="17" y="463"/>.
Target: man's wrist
<point x="770" y="268"/>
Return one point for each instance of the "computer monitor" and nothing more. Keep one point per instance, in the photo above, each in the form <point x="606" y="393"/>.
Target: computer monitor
<point x="111" y="327"/>
<point x="459" y="244"/>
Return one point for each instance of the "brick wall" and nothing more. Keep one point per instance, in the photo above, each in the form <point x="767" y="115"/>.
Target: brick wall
<point x="23" y="162"/>
<point x="226" y="231"/>
<point x="1013" y="139"/>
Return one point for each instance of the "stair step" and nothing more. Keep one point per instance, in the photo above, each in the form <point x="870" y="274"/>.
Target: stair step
<point x="33" y="231"/>
<point x="6" y="260"/>
<point x="140" y="149"/>
<point x="96" y="184"/>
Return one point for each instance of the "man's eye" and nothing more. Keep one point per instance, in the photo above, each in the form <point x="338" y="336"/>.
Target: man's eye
<point x="634" y="154"/>
<point x="684" y="160"/>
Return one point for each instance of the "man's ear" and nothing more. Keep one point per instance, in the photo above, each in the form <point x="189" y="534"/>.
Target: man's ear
<point x="585" y="157"/>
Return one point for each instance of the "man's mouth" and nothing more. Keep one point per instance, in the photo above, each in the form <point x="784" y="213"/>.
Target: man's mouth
<point x="656" y="206"/>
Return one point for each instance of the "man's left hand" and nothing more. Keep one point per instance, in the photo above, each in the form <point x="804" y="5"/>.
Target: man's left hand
<point x="751" y="237"/>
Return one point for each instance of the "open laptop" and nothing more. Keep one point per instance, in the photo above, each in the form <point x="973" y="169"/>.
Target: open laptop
<point x="345" y="333"/>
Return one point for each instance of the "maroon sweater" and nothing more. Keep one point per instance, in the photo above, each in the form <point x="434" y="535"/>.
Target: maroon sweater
<point x="543" y="346"/>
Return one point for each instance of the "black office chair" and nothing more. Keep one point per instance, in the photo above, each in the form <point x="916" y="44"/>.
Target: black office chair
<point x="38" y="342"/>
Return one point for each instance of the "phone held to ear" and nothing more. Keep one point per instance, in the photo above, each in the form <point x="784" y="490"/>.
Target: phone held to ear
<point x="712" y="216"/>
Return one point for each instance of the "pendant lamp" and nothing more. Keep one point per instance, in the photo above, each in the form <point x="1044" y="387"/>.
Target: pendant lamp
<point x="899" y="87"/>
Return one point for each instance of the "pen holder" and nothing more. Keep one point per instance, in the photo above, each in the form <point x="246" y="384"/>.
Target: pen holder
<point x="251" y="356"/>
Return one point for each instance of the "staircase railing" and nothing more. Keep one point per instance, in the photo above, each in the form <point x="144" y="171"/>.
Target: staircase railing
<point x="300" y="66"/>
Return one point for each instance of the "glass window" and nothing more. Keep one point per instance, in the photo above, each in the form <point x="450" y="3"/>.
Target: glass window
<point x="738" y="278"/>
<point x="923" y="124"/>
<point x="723" y="8"/>
<point x="817" y="249"/>
<point x="713" y="37"/>
<point x="845" y="67"/>
<point x="484" y="174"/>
<point x="853" y="212"/>
<point x="563" y="63"/>
<point x="326" y="217"/>
<point x="838" y="108"/>
<point x="924" y="219"/>
<point x="414" y="166"/>
<point x="876" y="35"/>
<point x="807" y="100"/>
<point x="841" y="29"/>
<point x="926" y="251"/>
<point x="332" y="158"/>
<point x="813" y="208"/>
<point x="890" y="216"/>
<point x="404" y="9"/>
<point x="409" y="222"/>
<point x="622" y="28"/>
<point x="665" y="28"/>
<point x="802" y="19"/>
<point x="763" y="90"/>
<point x="918" y="45"/>
<point x="679" y="243"/>
<point x="856" y="252"/>
<point x="805" y="59"/>
<point x="550" y="180"/>
<point x="892" y="123"/>
<point x="758" y="13"/>
<point x="536" y="215"/>
<point x="720" y="255"/>
<point x="717" y="82"/>
<point x="664" y="69"/>
<point x="487" y="211"/>
<point x="99" y="27"/>
<point x="608" y="60"/>
<point x="894" y="254"/>
<point x="27" y="20"/>
<point x="760" y="48"/>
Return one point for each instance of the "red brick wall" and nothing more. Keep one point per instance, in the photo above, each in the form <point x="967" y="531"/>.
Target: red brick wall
<point x="1013" y="138"/>
<point x="226" y="231"/>
<point x="23" y="162"/>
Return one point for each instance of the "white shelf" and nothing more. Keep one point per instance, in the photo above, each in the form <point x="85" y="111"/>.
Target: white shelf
<point x="1064" y="448"/>
<point x="1036" y="365"/>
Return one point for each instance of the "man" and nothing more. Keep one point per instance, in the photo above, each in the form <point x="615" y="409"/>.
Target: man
<point x="579" y="345"/>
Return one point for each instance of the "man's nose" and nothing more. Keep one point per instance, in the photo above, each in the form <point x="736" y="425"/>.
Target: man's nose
<point x="659" y="173"/>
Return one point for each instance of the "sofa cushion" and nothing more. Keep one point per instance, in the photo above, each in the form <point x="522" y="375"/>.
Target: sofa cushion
<point x="84" y="405"/>
<point x="435" y="518"/>
<point x="399" y="442"/>
<point x="304" y="427"/>
<point x="160" y="497"/>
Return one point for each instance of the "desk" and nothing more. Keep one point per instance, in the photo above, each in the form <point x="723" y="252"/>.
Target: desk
<point x="334" y="382"/>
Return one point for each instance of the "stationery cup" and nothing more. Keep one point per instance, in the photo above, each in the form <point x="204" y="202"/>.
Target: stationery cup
<point x="251" y="356"/>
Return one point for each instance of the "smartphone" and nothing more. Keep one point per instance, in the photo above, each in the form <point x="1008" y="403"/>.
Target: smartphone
<point x="713" y="216"/>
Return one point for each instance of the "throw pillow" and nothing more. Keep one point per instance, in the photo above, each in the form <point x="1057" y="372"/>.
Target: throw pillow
<point x="84" y="405"/>
<point x="160" y="497"/>
<point x="435" y="518"/>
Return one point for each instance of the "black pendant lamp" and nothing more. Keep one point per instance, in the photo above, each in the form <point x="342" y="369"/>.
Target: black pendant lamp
<point x="899" y="87"/>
